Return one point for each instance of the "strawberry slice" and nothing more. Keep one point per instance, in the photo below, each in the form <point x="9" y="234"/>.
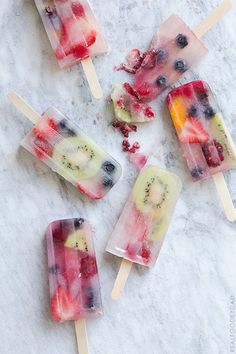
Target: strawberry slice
<point x="64" y="308"/>
<point x="193" y="132"/>
<point x="42" y="148"/>
<point x="89" y="193"/>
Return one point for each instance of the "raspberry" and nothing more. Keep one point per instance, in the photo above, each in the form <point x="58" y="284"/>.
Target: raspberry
<point x="77" y="9"/>
<point x="80" y="51"/>
<point x="42" y="148"/>
<point x="88" y="267"/>
<point x="52" y="124"/>
<point x="91" y="38"/>
<point x="145" y="253"/>
<point x="213" y="152"/>
<point x="40" y="134"/>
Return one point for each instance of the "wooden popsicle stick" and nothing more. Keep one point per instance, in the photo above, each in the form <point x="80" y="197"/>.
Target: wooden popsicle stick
<point x="213" y="18"/>
<point x="225" y="197"/>
<point x="92" y="78"/>
<point x="81" y="336"/>
<point x="121" y="279"/>
<point x="28" y="111"/>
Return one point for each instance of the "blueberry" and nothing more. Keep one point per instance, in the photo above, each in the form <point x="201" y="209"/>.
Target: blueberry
<point x="55" y="269"/>
<point x="49" y="11"/>
<point x="161" y="81"/>
<point x="91" y="300"/>
<point x="197" y="172"/>
<point x="78" y="222"/>
<point x="71" y="132"/>
<point x="209" y="112"/>
<point x="192" y="111"/>
<point x="161" y="54"/>
<point x="107" y="182"/>
<point x="181" y="40"/>
<point x="181" y="65"/>
<point x="108" y="167"/>
<point x="62" y="124"/>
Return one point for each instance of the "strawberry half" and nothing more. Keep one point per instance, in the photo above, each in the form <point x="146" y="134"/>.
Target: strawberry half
<point x="63" y="308"/>
<point x="193" y="132"/>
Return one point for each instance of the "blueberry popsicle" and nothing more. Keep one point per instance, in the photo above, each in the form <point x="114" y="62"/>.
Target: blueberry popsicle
<point x="140" y="230"/>
<point x="72" y="30"/>
<point x="205" y="140"/>
<point x="61" y="145"/>
<point x="174" y="49"/>
<point x="73" y="275"/>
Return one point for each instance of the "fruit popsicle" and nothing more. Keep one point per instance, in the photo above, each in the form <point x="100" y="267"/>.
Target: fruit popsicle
<point x="173" y="50"/>
<point x="74" y="35"/>
<point x="127" y="107"/>
<point x="62" y="146"/>
<point x="73" y="276"/>
<point x="205" y="140"/>
<point x="72" y="30"/>
<point x="144" y="221"/>
<point x="204" y="137"/>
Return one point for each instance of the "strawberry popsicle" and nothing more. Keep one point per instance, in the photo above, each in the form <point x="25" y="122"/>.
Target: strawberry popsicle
<point x="74" y="35"/>
<point x="144" y="221"/>
<point x="62" y="146"/>
<point x="204" y="137"/>
<point x="72" y="30"/>
<point x="73" y="275"/>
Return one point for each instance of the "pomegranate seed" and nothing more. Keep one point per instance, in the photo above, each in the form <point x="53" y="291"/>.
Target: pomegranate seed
<point x="126" y="143"/>
<point x="136" y="145"/>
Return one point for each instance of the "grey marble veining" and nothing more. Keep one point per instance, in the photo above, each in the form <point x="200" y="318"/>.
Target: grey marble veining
<point x="182" y="306"/>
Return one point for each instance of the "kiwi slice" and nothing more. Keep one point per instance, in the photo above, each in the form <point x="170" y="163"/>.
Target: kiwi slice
<point x="77" y="240"/>
<point x="120" y="112"/>
<point x="221" y="134"/>
<point x="153" y="190"/>
<point x="77" y="157"/>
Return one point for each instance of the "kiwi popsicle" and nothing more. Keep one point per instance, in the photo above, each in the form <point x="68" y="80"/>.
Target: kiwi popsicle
<point x="140" y="230"/>
<point x="73" y="275"/>
<point x="203" y="135"/>
<point x="62" y="146"/>
<point x="127" y="106"/>
<point x="72" y="30"/>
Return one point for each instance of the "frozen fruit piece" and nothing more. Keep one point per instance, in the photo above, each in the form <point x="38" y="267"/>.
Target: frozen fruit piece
<point x="181" y="40"/>
<point x="211" y="152"/>
<point x="150" y="58"/>
<point x="107" y="182"/>
<point x="178" y="112"/>
<point x="161" y="81"/>
<point x="181" y="65"/>
<point x="209" y="112"/>
<point x="98" y="194"/>
<point x="134" y="61"/>
<point x="138" y="160"/>
<point x="127" y="107"/>
<point x="77" y="241"/>
<point x="197" y="172"/>
<point x="91" y="38"/>
<point x="161" y="55"/>
<point x="88" y="267"/>
<point x="193" y="111"/>
<point x="109" y="167"/>
<point x="193" y="132"/>
<point x="42" y="148"/>
<point x="77" y="9"/>
<point x="63" y="308"/>
<point x="80" y="51"/>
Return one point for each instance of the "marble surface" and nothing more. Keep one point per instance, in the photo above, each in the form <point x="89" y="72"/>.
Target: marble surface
<point x="182" y="306"/>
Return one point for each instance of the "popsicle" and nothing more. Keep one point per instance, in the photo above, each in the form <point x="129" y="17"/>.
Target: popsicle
<point x="74" y="35"/>
<point x="73" y="275"/>
<point x="144" y="221"/>
<point x="127" y="106"/>
<point x="62" y="146"/>
<point x="173" y="50"/>
<point x="205" y="140"/>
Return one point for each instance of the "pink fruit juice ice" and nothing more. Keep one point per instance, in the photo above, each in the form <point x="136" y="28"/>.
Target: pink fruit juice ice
<point x="204" y="137"/>
<point x="127" y="106"/>
<point x="62" y="146"/>
<point x="72" y="30"/>
<point x="173" y="50"/>
<point x="73" y="275"/>
<point x="140" y="230"/>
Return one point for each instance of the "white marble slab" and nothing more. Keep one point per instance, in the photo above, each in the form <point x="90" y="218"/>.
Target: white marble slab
<point x="182" y="306"/>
